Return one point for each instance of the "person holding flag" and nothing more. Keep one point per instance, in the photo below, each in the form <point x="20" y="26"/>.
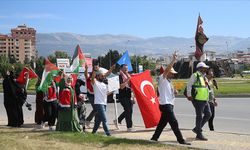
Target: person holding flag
<point x="167" y="99"/>
<point x="67" y="112"/>
<point x="50" y="104"/>
<point x="125" y="98"/>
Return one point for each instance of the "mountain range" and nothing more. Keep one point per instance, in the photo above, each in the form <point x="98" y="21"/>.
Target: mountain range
<point x="98" y="45"/>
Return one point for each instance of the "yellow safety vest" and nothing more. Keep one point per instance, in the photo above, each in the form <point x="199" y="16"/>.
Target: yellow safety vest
<point x="202" y="92"/>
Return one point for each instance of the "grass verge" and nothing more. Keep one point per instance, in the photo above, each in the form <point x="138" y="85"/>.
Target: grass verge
<point x="22" y="139"/>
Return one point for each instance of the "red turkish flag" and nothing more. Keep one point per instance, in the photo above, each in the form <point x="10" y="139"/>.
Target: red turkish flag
<point x="146" y="98"/>
<point x="26" y="72"/>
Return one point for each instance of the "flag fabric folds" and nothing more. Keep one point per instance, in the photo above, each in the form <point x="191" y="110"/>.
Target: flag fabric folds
<point x="26" y="72"/>
<point x="78" y="60"/>
<point x="50" y="70"/>
<point x="200" y="39"/>
<point x="146" y="98"/>
<point x="125" y="60"/>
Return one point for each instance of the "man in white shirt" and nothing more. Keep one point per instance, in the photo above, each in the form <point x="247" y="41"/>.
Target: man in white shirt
<point x="167" y="98"/>
<point x="100" y="100"/>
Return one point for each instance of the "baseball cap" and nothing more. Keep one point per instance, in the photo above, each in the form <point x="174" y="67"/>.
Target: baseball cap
<point x="202" y="65"/>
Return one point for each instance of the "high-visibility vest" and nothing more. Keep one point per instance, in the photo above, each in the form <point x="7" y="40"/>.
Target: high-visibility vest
<point x="65" y="97"/>
<point x="202" y="92"/>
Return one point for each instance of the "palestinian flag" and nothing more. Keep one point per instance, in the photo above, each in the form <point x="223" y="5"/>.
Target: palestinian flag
<point x="49" y="71"/>
<point x="26" y="73"/>
<point x="200" y="39"/>
<point x="78" y="60"/>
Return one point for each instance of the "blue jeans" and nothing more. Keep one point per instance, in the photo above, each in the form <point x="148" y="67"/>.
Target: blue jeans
<point x="200" y="108"/>
<point x="101" y="109"/>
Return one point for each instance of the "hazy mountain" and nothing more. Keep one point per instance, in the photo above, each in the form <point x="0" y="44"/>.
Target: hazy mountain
<point x="100" y="44"/>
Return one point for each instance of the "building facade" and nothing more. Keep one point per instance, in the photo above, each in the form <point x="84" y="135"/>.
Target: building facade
<point x="20" y="44"/>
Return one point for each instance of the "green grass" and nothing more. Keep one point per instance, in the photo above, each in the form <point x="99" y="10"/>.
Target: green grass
<point x="22" y="139"/>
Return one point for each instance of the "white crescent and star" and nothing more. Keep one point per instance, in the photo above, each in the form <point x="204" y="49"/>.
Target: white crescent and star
<point x="144" y="83"/>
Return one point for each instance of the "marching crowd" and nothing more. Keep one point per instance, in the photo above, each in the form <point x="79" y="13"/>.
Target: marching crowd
<point x="63" y="104"/>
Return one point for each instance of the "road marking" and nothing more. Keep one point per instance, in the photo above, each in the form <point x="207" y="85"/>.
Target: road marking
<point x="224" y="118"/>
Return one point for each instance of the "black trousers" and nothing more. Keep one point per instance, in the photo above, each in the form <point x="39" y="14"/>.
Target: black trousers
<point x="51" y="111"/>
<point x="93" y="113"/>
<point x="168" y="116"/>
<point x="211" y="120"/>
<point x="128" y="111"/>
<point x="203" y="113"/>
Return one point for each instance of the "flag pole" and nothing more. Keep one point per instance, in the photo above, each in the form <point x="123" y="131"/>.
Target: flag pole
<point x="116" y="113"/>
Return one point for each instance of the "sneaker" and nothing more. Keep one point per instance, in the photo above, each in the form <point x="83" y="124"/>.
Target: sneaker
<point x="42" y="126"/>
<point x="185" y="143"/>
<point x="87" y="124"/>
<point x="131" y="130"/>
<point x="116" y="124"/>
<point x="201" y="138"/>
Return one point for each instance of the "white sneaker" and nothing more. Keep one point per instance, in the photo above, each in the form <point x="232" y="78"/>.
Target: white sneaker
<point x="131" y="130"/>
<point x="116" y="124"/>
<point x="42" y="125"/>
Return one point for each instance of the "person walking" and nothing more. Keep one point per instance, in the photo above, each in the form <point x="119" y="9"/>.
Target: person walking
<point x="81" y="107"/>
<point x="167" y="99"/>
<point x="212" y="101"/>
<point x="67" y="112"/>
<point x="90" y="91"/>
<point x="125" y="98"/>
<point x="199" y="98"/>
<point x="50" y="105"/>
<point x="100" y="101"/>
<point x="14" y="98"/>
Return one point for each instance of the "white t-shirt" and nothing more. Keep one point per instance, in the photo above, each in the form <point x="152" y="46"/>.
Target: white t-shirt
<point x="166" y="91"/>
<point x="100" y="92"/>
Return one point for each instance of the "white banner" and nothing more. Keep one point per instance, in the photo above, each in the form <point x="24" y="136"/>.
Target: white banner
<point x="113" y="83"/>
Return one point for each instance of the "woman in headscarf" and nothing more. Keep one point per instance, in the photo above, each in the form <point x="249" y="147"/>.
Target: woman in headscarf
<point x="67" y="111"/>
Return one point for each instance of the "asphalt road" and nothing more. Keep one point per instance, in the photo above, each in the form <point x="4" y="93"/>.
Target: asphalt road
<point x="232" y="114"/>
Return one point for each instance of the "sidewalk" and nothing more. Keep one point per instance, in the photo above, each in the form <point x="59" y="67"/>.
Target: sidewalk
<point x="216" y="140"/>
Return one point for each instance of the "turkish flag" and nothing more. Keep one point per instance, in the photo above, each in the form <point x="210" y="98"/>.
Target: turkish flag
<point x="26" y="73"/>
<point x="146" y="98"/>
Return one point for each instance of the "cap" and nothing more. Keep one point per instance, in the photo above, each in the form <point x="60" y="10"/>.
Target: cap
<point x="173" y="71"/>
<point x="202" y="65"/>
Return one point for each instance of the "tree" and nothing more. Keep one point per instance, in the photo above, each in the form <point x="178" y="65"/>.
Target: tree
<point x="109" y="59"/>
<point x="58" y="54"/>
<point x="39" y="66"/>
<point x="4" y="65"/>
<point x="142" y="60"/>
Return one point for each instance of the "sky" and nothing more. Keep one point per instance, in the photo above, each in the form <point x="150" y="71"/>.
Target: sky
<point x="141" y="18"/>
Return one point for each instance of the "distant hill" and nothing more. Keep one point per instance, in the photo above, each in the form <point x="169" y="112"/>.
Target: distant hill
<point x="100" y="44"/>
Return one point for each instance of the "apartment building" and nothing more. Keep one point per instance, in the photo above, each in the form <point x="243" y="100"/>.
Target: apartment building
<point x="20" y="44"/>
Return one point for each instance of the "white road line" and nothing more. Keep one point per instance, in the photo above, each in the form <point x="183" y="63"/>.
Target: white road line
<point x="217" y="117"/>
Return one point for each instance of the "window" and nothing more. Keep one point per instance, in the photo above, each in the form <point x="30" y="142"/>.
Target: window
<point x="17" y="47"/>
